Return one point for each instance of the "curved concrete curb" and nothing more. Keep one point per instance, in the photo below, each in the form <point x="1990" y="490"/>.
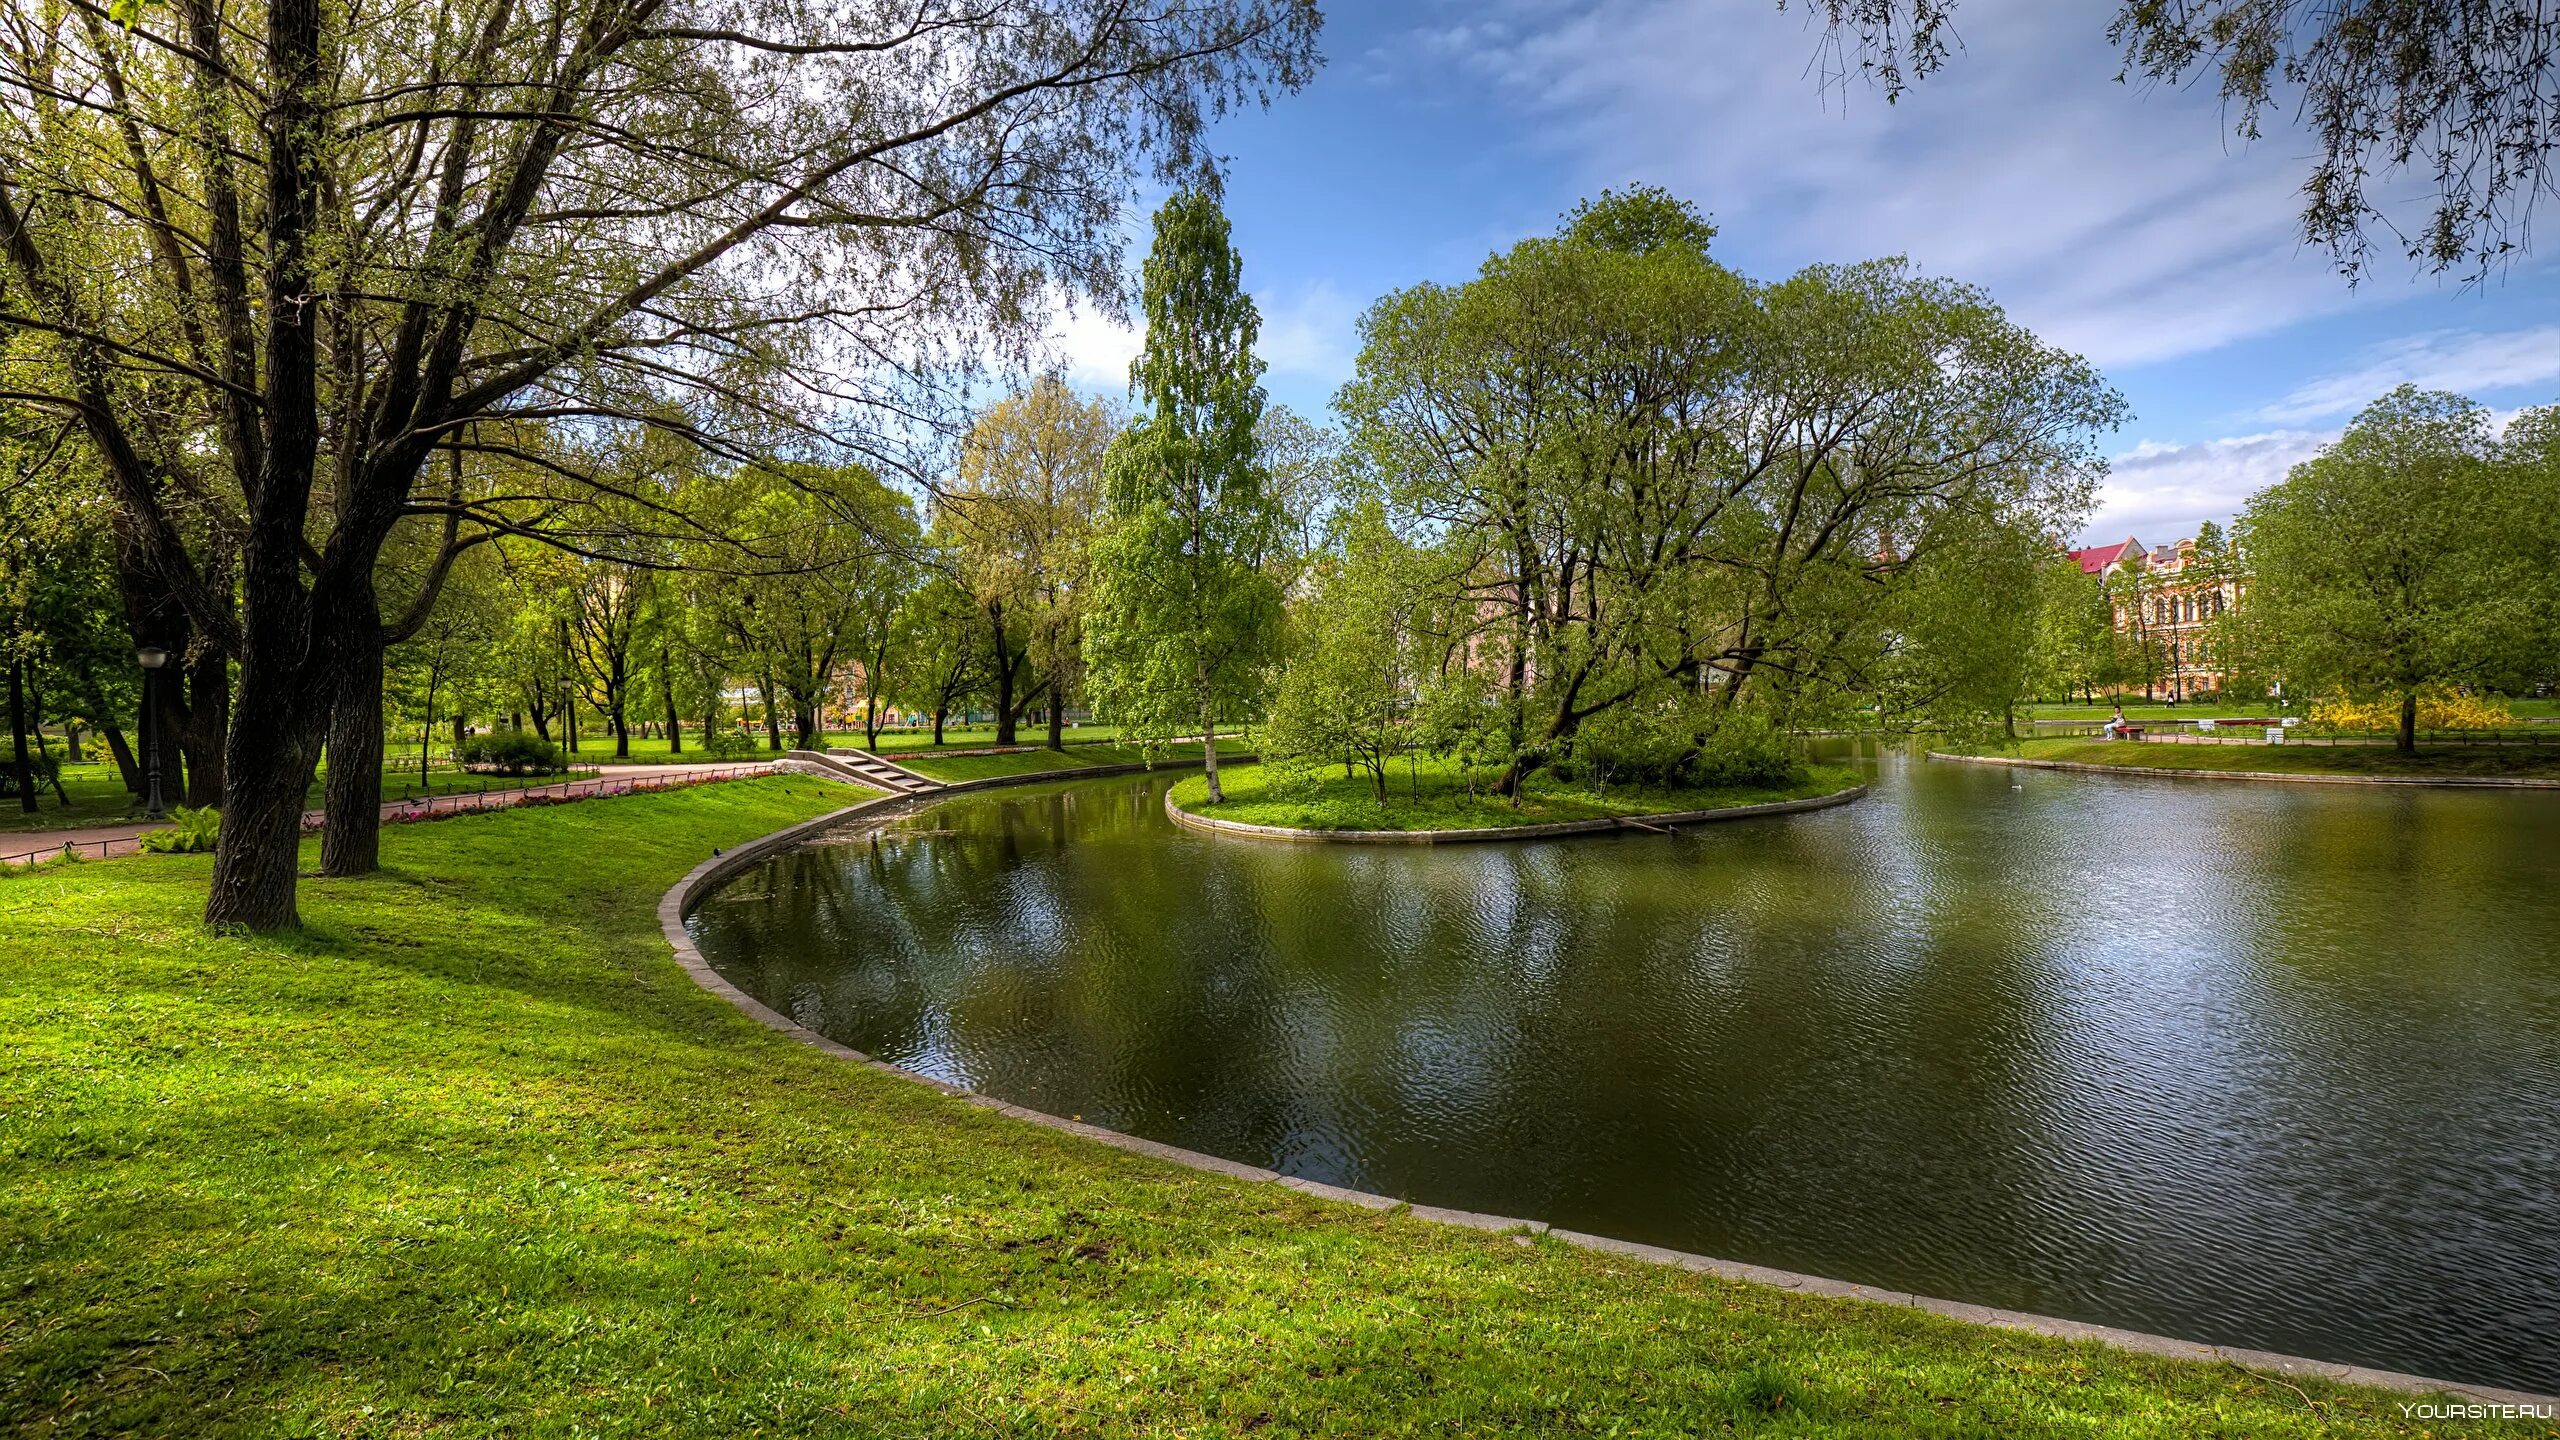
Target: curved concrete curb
<point x="680" y="900"/>
<point x="1616" y="824"/>
<point x="2449" y="782"/>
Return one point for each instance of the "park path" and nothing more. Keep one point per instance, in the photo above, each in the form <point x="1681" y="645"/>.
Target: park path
<point x="98" y="842"/>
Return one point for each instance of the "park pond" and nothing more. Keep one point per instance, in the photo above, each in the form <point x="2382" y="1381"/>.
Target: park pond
<point x="2266" y="1065"/>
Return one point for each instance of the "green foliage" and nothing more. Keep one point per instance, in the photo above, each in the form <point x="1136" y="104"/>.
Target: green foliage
<point x="510" y="752"/>
<point x="190" y="832"/>
<point x="44" y="768"/>
<point x="1826" y="496"/>
<point x="727" y="742"/>
<point x="2402" y="557"/>
<point x="1346" y="696"/>
<point x="1748" y="749"/>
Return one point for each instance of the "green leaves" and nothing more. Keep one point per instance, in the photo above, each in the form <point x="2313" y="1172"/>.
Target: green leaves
<point x="1186" y="618"/>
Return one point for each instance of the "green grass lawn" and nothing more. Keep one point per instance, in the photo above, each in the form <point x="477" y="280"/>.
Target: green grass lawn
<point x="473" y="1157"/>
<point x="2460" y="761"/>
<point x="956" y="768"/>
<point x="1328" y="800"/>
<point x="98" y="796"/>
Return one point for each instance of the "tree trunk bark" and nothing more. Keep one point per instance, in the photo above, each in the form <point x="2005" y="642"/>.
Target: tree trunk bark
<point x="667" y="696"/>
<point x="938" y="717"/>
<point x="276" y="729"/>
<point x="804" y="725"/>
<point x="1007" y="733"/>
<point x="167" y="734"/>
<point x="772" y="717"/>
<point x="2408" y="722"/>
<point x="207" y="724"/>
<point x="1057" y="720"/>
<point x="22" y="772"/>
<point x="1208" y="734"/>
<point x="126" y="766"/>
<point x="351" y="800"/>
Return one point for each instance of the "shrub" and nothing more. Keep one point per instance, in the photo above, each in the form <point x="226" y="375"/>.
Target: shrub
<point x="509" y="752"/>
<point x="190" y="832"/>
<point x="1746" y="749"/>
<point x="2437" y="710"/>
<point x="44" y="766"/>
<point x="728" y="743"/>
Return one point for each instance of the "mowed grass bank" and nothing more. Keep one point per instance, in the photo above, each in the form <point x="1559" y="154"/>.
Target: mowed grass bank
<point x="473" y="1157"/>
<point x="956" y="768"/>
<point x="1430" y="795"/>
<point x="2535" y="762"/>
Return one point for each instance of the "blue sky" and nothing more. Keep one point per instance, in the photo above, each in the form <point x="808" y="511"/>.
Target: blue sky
<point x="2120" y="221"/>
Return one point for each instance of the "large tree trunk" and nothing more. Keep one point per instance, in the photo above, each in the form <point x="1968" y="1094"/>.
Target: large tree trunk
<point x="351" y="831"/>
<point x="288" y="670"/>
<point x="1007" y="733"/>
<point x="940" y="713"/>
<point x="772" y="717"/>
<point x="276" y="728"/>
<point x="621" y="727"/>
<point x="2408" y="721"/>
<point x="205" y="724"/>
<point x="126" y="766"/>
<point x="804" y="723"/>
<point x="22" y="771"/>
<point x="667" y="697"/>
<point x="1057" y="720"/>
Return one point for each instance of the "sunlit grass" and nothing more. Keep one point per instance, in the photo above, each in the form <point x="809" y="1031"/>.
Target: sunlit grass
<point x="473" y="1157"/>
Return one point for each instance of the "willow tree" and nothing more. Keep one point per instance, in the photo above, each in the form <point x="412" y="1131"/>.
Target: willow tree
<point x="288" y="250"/>
<point x="1186" y="619"/>
<point x="1666" y="482"/>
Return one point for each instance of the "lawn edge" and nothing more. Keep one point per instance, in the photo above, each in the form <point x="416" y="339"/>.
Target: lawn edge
<point x="680" y="899"/>
<point x="2454" y="782"/>
<point x="1606" y="824"/>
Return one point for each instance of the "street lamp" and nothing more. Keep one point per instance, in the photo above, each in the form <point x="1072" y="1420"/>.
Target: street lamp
<point x="153" y="659"/>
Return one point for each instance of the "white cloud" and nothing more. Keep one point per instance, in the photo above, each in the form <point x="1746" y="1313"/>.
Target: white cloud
<point x="2159" y="492"/>
<point x="1311" y="331"/>
<point x="2457" y="360"/>
<point x="2118" y="221"/>
<point x="1096" y="346"/>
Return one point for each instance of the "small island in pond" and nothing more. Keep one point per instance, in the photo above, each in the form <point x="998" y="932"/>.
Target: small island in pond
<point x="1434" y="795"/>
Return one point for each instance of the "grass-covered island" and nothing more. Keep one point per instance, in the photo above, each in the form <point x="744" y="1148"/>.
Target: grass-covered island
<point x="470" y="1155"/>
<point x="2432" y="762"/>
<point x="1427" y="794"/>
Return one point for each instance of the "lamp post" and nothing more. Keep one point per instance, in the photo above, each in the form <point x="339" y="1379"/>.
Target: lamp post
<point x="153" y="659"/>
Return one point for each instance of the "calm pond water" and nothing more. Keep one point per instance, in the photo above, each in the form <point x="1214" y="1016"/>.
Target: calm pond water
<point x="2275" y="1066"/>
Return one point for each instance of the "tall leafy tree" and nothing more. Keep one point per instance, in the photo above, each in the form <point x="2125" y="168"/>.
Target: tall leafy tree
<point x="1186" y="619"/>
<point x="2401" y="557"/>
<point x="1022" y="519"/>
<point x="281" y="255"/>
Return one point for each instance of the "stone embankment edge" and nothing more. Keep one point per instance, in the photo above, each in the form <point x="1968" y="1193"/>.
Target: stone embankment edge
<point x="2453" y="782"/>
<point x="680" y="900"/>
<point x="1614" y="824"/>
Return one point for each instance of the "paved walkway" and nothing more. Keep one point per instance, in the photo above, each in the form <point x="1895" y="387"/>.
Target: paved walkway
<point x="100" y="841"/>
